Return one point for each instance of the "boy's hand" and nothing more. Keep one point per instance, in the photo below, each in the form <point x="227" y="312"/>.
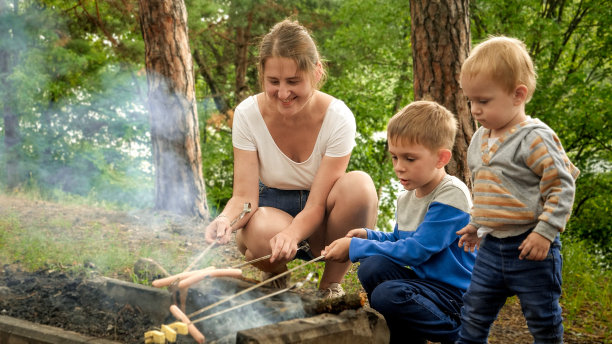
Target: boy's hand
<point x="337" y="251"/>
<point x="357" y="233"/>
<point x="469" y="238"/>
<point x="534" y="247"/>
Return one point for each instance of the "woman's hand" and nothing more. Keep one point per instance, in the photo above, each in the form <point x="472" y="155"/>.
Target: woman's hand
<point x="284" y="247"/>
<point x="219" y="230"/>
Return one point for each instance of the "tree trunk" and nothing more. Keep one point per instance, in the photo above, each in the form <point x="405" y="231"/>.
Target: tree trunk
<point x="10" y="120"/>
<point x="179" y="185"/>
<point x="440" y="44"/>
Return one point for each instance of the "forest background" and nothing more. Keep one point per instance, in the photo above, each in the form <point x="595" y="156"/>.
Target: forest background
<point x="73" y="87"/>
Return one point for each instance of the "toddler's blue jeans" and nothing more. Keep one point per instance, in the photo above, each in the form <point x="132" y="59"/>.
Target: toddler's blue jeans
<point x="499" y="274"/>
<point x="415" y="309"/>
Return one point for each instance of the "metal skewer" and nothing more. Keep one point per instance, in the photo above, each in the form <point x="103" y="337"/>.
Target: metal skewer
<point x="254" y="287"/>
<point x="303" y="247"/>
<point x="297" y="285"/>
<point x="246" y="209"/>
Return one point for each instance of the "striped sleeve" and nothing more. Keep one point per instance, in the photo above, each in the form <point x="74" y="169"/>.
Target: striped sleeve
<point x="547" y="159"/>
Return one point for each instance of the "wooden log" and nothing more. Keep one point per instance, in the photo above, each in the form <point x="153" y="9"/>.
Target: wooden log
<point x="336" y="305"/>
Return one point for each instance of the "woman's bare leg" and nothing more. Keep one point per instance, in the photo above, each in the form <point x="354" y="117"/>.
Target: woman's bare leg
<point x="352" y="203"/>
<point x="254" y="240"/>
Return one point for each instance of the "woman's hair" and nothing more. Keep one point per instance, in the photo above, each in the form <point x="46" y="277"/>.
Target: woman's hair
<point x="505" y="60"/>
<point x="423" y="122"/>
<point x="291" y="40"/>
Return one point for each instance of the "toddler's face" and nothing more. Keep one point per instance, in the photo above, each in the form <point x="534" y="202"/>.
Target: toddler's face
<point x="491" y="105"/>
<point x="416" y="167"/>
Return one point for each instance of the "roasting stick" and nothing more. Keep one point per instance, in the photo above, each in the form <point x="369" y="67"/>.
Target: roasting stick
<point x="238" y="266"/>
<point x="297" y="285"/>
<point x="195" y="332"/>
<point x="255" y="286"/>
<point x="246" y="209"/>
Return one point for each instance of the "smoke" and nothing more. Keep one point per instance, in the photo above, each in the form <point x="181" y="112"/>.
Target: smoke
<point x="268" y="311"/>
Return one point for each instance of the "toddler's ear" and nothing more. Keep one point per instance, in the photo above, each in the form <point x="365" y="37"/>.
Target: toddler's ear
<point x="520" y="94"/>
<point x="444" y="156"/>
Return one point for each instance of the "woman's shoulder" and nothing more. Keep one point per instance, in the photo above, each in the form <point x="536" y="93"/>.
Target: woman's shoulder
<point x="337" y="111"/>
<point x="250" y="103"/>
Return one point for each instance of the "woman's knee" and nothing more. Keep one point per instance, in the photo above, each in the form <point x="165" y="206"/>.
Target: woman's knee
<point x="356" y="183"/>
<point x="354" y="199"/>
<point x="262" y="226"/>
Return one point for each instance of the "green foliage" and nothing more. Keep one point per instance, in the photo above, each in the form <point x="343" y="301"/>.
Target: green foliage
<point x="82" y="125"/>
<point x="370" y="70"/>
<point x="591" y="207"/>
<point x="587" y="287"/>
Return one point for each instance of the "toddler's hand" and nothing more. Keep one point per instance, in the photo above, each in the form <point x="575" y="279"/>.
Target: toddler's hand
<point x="534" y="247"/>
<point x="337" y="251"/>
<point x="357" y="233"/>
<point x="469" y="238"/>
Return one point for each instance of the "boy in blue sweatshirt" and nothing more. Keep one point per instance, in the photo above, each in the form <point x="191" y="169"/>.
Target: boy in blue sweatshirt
<point x="416" y="275"/>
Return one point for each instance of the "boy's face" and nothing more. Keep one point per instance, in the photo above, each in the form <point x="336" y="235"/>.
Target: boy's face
<point x="417" y="167"/>
<point x="491" y="105"/>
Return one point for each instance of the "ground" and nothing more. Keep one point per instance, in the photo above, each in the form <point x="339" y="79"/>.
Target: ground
<point x="133" y="231"/>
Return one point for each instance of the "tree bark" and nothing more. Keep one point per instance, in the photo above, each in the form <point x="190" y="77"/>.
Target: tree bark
<point x="10" y="120"/>
<point x="440" y="44"/>
<point x="179" y="184"/>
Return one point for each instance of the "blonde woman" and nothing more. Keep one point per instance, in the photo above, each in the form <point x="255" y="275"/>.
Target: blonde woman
<point x="292" y="145"/>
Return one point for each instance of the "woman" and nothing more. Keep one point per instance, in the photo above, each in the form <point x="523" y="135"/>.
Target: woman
<point x="292" y="145"/>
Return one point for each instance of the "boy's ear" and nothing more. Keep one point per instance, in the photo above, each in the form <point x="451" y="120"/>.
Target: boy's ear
<point x="444" y="156"/>
<point x="520" y="94"/>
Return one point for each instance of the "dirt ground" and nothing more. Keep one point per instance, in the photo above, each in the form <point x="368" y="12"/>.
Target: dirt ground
<point x="45" y="304"/>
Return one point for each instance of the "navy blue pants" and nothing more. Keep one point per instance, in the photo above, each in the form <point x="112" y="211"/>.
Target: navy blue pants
<point x="415" y="309"/>
<point x="498" y="274"/>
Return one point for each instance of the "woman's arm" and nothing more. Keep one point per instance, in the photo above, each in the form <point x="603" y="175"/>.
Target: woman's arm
<point x="246" y="190"/>
<point x="284" y="245"/>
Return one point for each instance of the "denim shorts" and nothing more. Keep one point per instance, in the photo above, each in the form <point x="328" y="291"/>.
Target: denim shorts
<point x="290" y="201"/>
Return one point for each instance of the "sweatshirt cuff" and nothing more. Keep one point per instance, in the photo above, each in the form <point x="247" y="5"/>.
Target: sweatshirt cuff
<point x="546" y="230"/>
<point x="475" y="224"/>
<point x="354" y="249"/>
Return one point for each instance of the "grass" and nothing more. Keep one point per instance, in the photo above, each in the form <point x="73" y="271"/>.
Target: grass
<point x="53" y="239"/>
<point x="587" y="290"/>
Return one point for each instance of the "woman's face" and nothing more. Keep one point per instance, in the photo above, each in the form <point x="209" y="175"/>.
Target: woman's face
<point x="287" y="88"/>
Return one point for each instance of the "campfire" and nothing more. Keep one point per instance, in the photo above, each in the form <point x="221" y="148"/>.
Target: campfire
<point x="180" y="284"/>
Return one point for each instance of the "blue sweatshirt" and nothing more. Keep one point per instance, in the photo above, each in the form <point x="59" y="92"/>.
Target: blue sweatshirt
<point x="424" y="236"/>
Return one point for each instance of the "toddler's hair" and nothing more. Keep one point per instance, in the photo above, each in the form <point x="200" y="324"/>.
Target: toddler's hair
<point x="505" y="60"/>
<point x="290" y="39"/>
<point x="423" y="122"/>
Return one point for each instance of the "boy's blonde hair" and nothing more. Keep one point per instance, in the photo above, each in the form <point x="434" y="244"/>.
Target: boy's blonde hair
<point x="425" y="123"/>
<point x="505" y="60"/>
<point x="291" y="40"/>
